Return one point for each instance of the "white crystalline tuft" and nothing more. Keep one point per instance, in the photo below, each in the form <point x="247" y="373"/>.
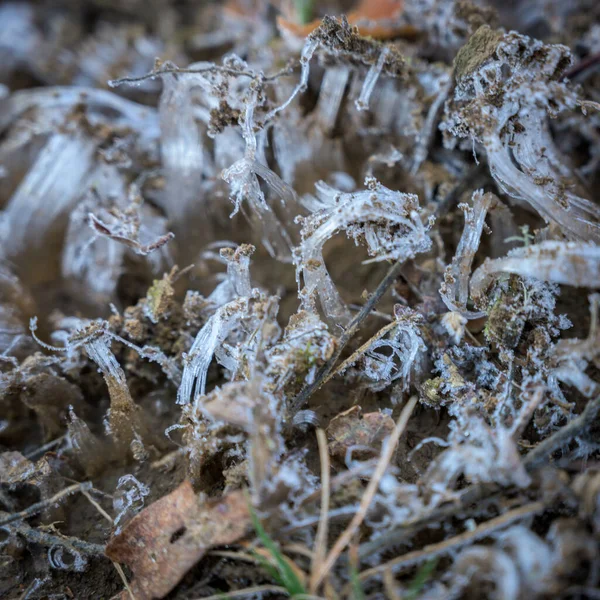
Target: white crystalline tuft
<point x="198" y="359"/>
<point x="388" y="222"/>
<point x="362" y="102"/>
<point x="504" y="104"/>
<point x="568" y="263"/>
<point x="455" y="287"/>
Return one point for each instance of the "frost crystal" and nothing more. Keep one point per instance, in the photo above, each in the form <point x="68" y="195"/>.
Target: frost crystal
<point x="209" y="338"/>
<point x="507" y="86"/>
<point x="362" y="103"/>
<point x="128" y="499"/>
<point x="388" y="222"/>
<point x="455" y="288"/>
<point x="569" y="263"/>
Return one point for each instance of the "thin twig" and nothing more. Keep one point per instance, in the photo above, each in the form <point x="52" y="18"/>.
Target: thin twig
<point x="45" y="447"/>
<point x="369" y="495"/>
<point x="35" y="536"/>
<point x="563" y="436"/>
<point x="323" y="527"/>
<point x="587" y="63"/>
<point x="362" y="350"/>
<point x="243" y="556"/>
<point x="389" y="585"/>
<point x="352" y="328"/>
<point x="97" y="506"/>
<point x="432" y="550"/>
<point x="340" y="480"/>
<point x="287" y="70"/>
<point x="116" y="565"/>
<point x="479" y="496"/>
<point x="40" y="506"/>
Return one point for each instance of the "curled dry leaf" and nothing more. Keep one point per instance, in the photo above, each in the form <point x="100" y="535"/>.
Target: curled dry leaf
<point x="351" y="428"/>
<point x="166" y="539"/>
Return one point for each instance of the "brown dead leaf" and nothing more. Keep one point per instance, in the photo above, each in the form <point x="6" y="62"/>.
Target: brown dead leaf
<point x="351" y="428"/>
<point x="170" y="536"/>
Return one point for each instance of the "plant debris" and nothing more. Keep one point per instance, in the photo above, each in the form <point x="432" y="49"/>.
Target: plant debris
<point x="174" y="533"/>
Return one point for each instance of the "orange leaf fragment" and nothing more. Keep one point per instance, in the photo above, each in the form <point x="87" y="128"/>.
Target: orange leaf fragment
<point x="170" y="536"/>
<point x="374" y="18"/>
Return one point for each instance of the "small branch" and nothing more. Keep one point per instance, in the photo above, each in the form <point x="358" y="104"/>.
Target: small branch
<point x="35" y="536"/>
<point x="432" y="550"/>
<point x="362" y="350"/>
<point x="104" y="230"/>
<point x="40" y="506"/>
<point x="542" y="452"/>
<point x="352" y="328"/>
<point x="287" y="70"/>
<point x="369" y="495"/>
<point x="481" y="497"/>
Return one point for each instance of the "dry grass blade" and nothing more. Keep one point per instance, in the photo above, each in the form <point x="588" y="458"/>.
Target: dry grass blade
<point x="358" y="353"/>
<point x="323" y="527"/>
<point x="369" y="494"/>
<point x="544" y="449"/>
<point x="432" y="550"/>
<point x="352" y="328"/>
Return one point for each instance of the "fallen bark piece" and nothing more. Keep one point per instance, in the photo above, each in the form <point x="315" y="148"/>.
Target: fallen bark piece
<point x="170" y="536"/>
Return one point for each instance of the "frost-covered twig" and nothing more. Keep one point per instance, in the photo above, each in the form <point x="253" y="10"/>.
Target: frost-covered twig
<point x="348" y="334"/>
<point x="574" y="428"/>
<point x="104" y="229"/>
<point x="569" y="263"/>
<point x="447" y="546"/>
<point x="44" y="504"/>
<point x="169" y="69"/>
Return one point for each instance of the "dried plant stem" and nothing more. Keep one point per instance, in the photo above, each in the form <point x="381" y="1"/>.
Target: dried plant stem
<point x="323" y="527"/>
<point x="358" y="353"/>
<point x="369" y="495"/>
<point x="35" y="536"/>
<point x="97" y="506"/>
<point x="202" y="71"/>
<point x="389" y="584"/>
<point x="45" y="447"/>
<point x="116" y="565"/>
<point x="121" y="573"/>
<point x="40" y="506"/>
<point x="418" y="556"/>
<point x="479" y="496"/>
<point x="352" y="328"/>
<point x="544" y="450"/>
<point x="586" y="64"/>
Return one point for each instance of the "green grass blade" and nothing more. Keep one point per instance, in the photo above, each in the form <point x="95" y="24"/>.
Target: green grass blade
<point x="282" y="572"/>
<point x="421" y="578"/>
